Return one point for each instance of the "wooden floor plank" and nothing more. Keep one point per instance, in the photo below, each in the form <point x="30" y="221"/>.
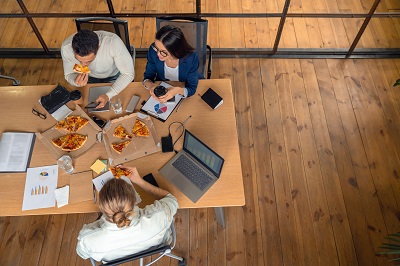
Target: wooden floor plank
<point x="373" y="143"/>
<point x="291" y="241"/>
<point x="356" y="180"/>
<point x="198" y="237"/>
<point x="253" y="111"/>
<point x="327" y="104"/>
<point x="35" y="237"/>
<point x="14" y="241"/>
<point x="311" y="127"/>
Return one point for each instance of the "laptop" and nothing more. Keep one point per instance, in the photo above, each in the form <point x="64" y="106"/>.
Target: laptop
<point x="94" y="93"/>
<point x="194" y="169"/>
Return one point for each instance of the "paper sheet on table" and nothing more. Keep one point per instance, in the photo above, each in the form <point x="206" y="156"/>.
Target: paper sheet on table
<point x="62" y="196"/>
<point x="61" y="113"/>
<point x="39" y="187"/>
<point x="161" y="110"/>
<point x="102" y="179"/>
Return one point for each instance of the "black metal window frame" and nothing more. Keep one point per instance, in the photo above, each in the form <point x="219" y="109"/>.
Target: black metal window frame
<point x="275" y="52"/>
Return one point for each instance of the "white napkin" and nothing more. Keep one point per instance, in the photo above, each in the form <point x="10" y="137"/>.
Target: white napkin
<point x="62" y="196"/>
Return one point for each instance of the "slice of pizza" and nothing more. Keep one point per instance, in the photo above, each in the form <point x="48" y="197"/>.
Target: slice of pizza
<point x="74" y="142"/>
<point x="63" y="125"/>
<point x="119" y="147"/>
<point x="121" y="132"/>
<point x="138" y="124"/>
<point x="140" y="129"/>
<point x="80" y="123"/>
<point x="119" y="172"/>
<point x="59" y="142"/>
<point x="81" y="69"/>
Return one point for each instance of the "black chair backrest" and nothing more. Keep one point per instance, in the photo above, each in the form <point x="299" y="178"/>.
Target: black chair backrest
<point x="117" y="26"/>
<point x="195" y="31"/>
<point x="151" y="251"/>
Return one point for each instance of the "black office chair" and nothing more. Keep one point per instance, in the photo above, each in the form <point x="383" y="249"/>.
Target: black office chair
<point x="117" y="26"/>
<point x="195" y="31"/>
<point x="162" y="250"/>
<point x="16" y="82"/>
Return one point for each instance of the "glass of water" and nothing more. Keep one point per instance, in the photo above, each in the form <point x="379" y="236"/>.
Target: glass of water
<point x="65" y="163"/>
<point x="116" y="105"/>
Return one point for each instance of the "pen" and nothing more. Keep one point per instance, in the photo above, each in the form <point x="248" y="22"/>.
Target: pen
<point x="94" y="194"/>
<point x="183" y="123"/>
<point x="179" y="105"/>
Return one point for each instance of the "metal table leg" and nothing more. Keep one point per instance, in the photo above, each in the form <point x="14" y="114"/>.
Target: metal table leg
<point x="219" y="214"/>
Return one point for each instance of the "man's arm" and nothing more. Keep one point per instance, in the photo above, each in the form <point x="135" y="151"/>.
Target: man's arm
<point x="67" y="55"/>
<point x="123" y="61"/>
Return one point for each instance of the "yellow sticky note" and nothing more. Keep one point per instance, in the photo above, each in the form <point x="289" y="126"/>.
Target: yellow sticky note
<point x="98" y="166"/>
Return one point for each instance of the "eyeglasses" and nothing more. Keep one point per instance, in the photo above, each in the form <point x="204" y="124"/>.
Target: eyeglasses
<point x="163" y="53"/>
<point x="37" y="113"/>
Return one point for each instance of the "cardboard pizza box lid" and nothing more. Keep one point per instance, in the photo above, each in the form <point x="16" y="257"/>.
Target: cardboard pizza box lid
<point x="81" y="187"/>
<point x="139" y="146"/>
<point x="91" y="129"/>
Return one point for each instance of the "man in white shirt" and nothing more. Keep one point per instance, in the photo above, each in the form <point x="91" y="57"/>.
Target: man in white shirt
<point x="106" y="56"/>
<point x="124" y="228"/>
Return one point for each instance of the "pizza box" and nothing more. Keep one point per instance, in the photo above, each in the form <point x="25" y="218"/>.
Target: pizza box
<point x="91" y="130"/>
<point x="139" y="146"/>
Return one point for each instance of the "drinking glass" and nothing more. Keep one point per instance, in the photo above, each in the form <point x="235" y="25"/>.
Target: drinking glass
<point x="116" y="105"/>
<point x="65" y="163"/>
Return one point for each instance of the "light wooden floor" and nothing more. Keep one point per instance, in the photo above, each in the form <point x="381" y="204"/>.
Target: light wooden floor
<point x="223" y="32"/>
<point x="319" y="143"/>
<point x="319" y="139"/>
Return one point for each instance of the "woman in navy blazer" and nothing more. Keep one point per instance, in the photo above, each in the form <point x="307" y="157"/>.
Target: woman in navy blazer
<point x="171" y="57"/>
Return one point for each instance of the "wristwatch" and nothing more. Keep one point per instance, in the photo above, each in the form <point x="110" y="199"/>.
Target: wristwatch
<point x="144" y="83"/>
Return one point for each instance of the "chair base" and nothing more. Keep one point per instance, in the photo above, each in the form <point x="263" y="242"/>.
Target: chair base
<point x="16" y="82"/>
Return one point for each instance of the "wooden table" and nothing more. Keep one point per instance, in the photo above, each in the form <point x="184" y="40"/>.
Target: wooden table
<point x="216" y="128"/>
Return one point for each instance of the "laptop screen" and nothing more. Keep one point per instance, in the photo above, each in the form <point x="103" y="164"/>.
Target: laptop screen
<point x="203" y="153"/>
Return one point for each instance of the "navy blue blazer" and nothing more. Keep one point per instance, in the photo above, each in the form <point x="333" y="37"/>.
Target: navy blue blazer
<point x="188" y="70"/>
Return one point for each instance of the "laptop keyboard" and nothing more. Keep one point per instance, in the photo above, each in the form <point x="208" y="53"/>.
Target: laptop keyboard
<point x="192" y="171"/>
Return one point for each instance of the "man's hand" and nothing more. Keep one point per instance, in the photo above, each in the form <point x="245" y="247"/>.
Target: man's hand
<point x="102" y="100"/>
<point x="82" y="79"/>
<point x="134" y="175"/>
<point x="171" y="92"/>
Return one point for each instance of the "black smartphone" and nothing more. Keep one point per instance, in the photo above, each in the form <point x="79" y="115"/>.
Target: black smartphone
<point x="100" y="122"/>
<point x="92" y="105"/>
<point x="150" y="178"/>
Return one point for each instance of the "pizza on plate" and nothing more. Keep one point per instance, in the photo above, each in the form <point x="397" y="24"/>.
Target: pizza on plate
<point x="72" y="123"/>
<point x="119" y="172"/>
<point x="81" y="69"/>
<point x="70" y="142"/>
<point x="140" y="129"/>
<point x="121" y="132"/>
<point x="119" y="147"/>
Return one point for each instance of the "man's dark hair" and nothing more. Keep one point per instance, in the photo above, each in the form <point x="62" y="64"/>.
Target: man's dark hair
<point x="85" y="42"/>
<point x="174" y="40"/>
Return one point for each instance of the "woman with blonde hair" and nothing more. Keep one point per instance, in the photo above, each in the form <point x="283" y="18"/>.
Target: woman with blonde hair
<point x="124" y="228"/>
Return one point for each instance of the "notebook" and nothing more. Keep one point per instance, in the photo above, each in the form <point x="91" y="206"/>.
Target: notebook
<point x="94" y="93"/>
<point x="194" y="169"/>
<point x="212" y="98"/>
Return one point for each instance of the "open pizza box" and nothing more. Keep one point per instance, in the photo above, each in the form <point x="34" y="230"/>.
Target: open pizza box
<point x="91" y="130"/>
<point x="138" y="147"/>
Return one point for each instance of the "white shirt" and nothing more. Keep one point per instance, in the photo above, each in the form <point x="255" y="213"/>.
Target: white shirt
<point x="111" y="58"/>
<point x="172" y="74"/>
<point x="104" y="241"/>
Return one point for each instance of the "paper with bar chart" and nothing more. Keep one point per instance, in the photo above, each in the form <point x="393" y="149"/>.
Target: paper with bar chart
<point x="39" y="187"/>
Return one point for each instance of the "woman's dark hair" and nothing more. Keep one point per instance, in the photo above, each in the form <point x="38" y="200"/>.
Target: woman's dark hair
<point x="85" y="42"/>
<point x="116" y="201"/>
<point x="174" y="41"/>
